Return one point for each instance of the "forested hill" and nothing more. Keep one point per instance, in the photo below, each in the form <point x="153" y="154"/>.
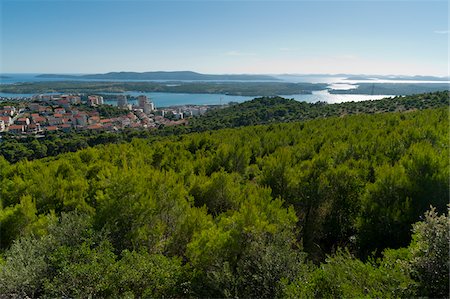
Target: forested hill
<point x="247" y="212"/>
<point x="393" y="88"/>
<point x="267" y="110"/>
<point x="276" y="109"/>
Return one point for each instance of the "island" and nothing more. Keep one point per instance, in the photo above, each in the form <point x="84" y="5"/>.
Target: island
<point x="157" y="76"/>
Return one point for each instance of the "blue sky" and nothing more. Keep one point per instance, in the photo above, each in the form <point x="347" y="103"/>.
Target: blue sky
<point x="371" y="37"/>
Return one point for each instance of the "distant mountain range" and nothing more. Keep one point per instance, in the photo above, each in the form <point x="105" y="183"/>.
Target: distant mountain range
<point x="179" y="75"/>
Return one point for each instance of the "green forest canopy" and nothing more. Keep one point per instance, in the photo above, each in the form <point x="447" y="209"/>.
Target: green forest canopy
<point x="265" y="110"/>
<point x="303" y="209"/>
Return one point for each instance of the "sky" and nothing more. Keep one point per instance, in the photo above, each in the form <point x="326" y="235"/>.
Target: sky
<point x="225" y="37"/>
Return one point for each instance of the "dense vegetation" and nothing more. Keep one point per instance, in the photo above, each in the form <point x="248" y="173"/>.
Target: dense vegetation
<point x="257" y="111"/>
<point x="15" y="149"/>
<point x="107" y="111"/>
<point x="276" y="109"/>
<point x="393" y="88"/>
<point x="305" y="209"/>
<point x="230" y="88"/>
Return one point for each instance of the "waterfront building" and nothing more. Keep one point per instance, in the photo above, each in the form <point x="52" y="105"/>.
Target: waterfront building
<point x="142" y="100"/>
<point x="122" y="101"/>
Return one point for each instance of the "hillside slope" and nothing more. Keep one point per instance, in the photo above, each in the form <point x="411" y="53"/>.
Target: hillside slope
<point x="276" y="109"/>
<point x="237" y="212"/>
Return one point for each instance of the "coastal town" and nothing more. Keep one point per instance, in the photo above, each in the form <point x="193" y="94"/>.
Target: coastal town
<point x="44" y="114"/>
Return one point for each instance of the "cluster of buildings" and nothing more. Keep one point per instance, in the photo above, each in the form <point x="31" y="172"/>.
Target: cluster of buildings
<point x="6" y="115"/>
<point x="50" y="113"/>
<point x="94" y="101"/>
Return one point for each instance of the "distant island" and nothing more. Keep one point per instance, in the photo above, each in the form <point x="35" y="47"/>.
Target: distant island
<point x="226" y="88"/>
<point x="399" y="77"/>
<point x="359" y="78"/>
<point x="256" y="89"/>
<point x="392" y="88"/>
<point x="178" y="75"/>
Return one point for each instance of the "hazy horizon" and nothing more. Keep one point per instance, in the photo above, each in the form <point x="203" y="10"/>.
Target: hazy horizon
<point x="217" y="73"/>
<point x="225" y="37"/>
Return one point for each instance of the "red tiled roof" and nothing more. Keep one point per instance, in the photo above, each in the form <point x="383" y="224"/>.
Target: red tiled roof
<point x="94" y="127"/>
<point x="39" y="119"/>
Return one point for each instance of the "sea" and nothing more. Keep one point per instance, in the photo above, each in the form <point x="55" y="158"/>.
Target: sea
<point x="161" y="99"/>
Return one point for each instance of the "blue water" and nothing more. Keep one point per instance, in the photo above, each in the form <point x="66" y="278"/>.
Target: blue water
<point x="330" y="79"/>
<point x="32" y="77"/>
<point x="162" y="99"/>
<point x="171" y="99"/>
<point x="21" y="78"/>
